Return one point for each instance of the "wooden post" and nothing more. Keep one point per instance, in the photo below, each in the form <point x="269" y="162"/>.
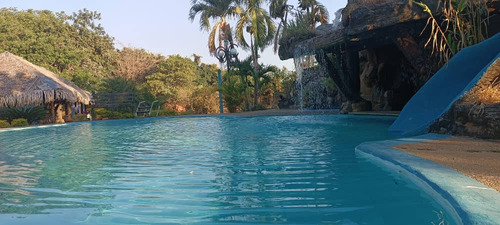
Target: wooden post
<point x="52" y="109"/>
<point x="67" y="109"/>
<point x="67" y="112"/>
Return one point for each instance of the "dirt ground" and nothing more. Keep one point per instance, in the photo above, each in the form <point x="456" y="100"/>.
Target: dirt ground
<point x="479" y="159"/>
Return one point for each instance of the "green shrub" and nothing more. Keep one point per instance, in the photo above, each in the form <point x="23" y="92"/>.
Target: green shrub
<point x="101" y="113"/>
<point x="300" y="27"/>
<point x="128" y="115"/>
<point x="187" y="113"/>
<point x="21" y="122"/>
<point x="4" y="124"/>
<point x="116" y="115"/>
<point x="30" y="113"/>
<point x="166" y="112"/>
<point x="233" y="93"/>
<point x="259" y="107"/>
<point x="79" y="117"/>
<point x="205" y="100"/>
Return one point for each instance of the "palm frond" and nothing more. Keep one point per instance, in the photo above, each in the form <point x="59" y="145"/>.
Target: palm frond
<point x="212" y="37"/>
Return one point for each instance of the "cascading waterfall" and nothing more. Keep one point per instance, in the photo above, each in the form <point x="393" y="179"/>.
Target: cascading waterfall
<point x="312" y="84"/>
<point x="299" y="88"/>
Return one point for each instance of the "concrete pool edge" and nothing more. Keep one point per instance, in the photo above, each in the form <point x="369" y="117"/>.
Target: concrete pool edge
<point x="472" y="202"/>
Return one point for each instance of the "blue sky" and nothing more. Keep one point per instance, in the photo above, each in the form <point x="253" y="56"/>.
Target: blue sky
<point x="159" y="26"/>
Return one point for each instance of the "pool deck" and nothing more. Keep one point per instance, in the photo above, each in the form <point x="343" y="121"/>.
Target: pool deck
<point x="469" y="200"/>
<point x="476" y="158"/>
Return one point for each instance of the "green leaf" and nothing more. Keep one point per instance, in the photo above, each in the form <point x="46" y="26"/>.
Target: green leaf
<point x="462" y="4"/>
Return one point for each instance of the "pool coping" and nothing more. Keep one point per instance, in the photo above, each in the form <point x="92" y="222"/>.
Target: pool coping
<point x="469" y="201"/>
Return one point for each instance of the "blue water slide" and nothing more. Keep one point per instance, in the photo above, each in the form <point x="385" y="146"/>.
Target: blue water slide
<point x="447" y="86"/>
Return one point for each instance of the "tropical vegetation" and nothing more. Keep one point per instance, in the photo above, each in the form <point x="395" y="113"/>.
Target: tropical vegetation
<point x="76" y="47"/>
<point x="21" y="122"/>
<point x="4" y="124"/>
<point x="461" y="23"/>
<point x="255" y="30"/>
<point x="32" y="114"/>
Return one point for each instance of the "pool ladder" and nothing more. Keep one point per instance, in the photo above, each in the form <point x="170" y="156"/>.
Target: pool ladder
<point x="143" y="108"/>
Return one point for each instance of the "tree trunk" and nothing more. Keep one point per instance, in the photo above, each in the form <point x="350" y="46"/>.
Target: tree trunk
<point x="52" y="109"/>
<point x="256" y="73"/>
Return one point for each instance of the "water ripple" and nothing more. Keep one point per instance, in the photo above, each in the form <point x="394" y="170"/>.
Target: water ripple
<point x="204" y="170"/>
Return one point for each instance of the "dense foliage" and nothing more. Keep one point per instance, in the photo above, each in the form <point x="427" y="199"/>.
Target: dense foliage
<point x="30" y="113"/>
<point x="19" y="122"/>
<point x="461" y="23"/>
<point x="4" y="124"/>
<point x="76" y="47"/>
<point x="69" y="45"/>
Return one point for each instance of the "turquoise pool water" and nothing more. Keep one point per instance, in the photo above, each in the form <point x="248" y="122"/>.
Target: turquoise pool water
<point x="205" y="170"/>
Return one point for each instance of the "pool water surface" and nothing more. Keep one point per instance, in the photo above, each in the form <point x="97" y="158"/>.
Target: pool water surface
<point x="206" y="170"/>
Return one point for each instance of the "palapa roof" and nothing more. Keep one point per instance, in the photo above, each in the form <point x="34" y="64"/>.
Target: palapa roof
<point x="22" y="83"/>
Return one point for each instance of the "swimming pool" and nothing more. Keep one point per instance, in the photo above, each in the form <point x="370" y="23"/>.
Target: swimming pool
<point x="206" y="170"/>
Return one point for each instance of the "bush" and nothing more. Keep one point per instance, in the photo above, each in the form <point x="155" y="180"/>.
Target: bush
<point x="166" y="112"/>
<point x="128" y="115"/>
<point x="233" y="93"/>
<point x="4" y="124"/>
<point x="101" y="113"/>
<point x="187" y="113"/>
<point x="21" y="122"/>
<point x="79" y="117"/>
<point x="259" y="107"/>
<point x="205" y="100"/>
<point x="30" y="113"/>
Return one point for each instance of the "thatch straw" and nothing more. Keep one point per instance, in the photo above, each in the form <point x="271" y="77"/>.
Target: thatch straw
<point x="22" y="83"/>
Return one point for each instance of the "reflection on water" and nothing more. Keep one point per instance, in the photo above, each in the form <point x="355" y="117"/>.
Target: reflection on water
<point x="299" y="170"/>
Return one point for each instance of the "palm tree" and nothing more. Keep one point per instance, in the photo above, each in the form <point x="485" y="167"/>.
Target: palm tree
<point x="318" y="11"/>
<point x="266" y="78"/>
<point x="278" y="9"/>
<point x="220" y="11"/>
<point x="256" y="21"/>
<point x="245" y="69"/>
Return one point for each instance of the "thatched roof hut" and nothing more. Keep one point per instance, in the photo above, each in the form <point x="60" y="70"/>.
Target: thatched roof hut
<point x="22" y="83"/>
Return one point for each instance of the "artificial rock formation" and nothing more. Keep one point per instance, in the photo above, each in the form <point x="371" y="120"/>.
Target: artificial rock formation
<point x="363" y="56"/>
<point x="476" y="114"/>
<point x="377" y="56"/>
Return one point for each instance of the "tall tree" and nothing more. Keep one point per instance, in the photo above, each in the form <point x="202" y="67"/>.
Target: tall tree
<point x="279" y="9"/>
<point x="316" y="10"/>
<point x="72" y="46"/>
<point x="244" y="69"/>
<point x="256" y="21"/>
<point x="219" y="11"/>
<point x="135" y="64"/>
